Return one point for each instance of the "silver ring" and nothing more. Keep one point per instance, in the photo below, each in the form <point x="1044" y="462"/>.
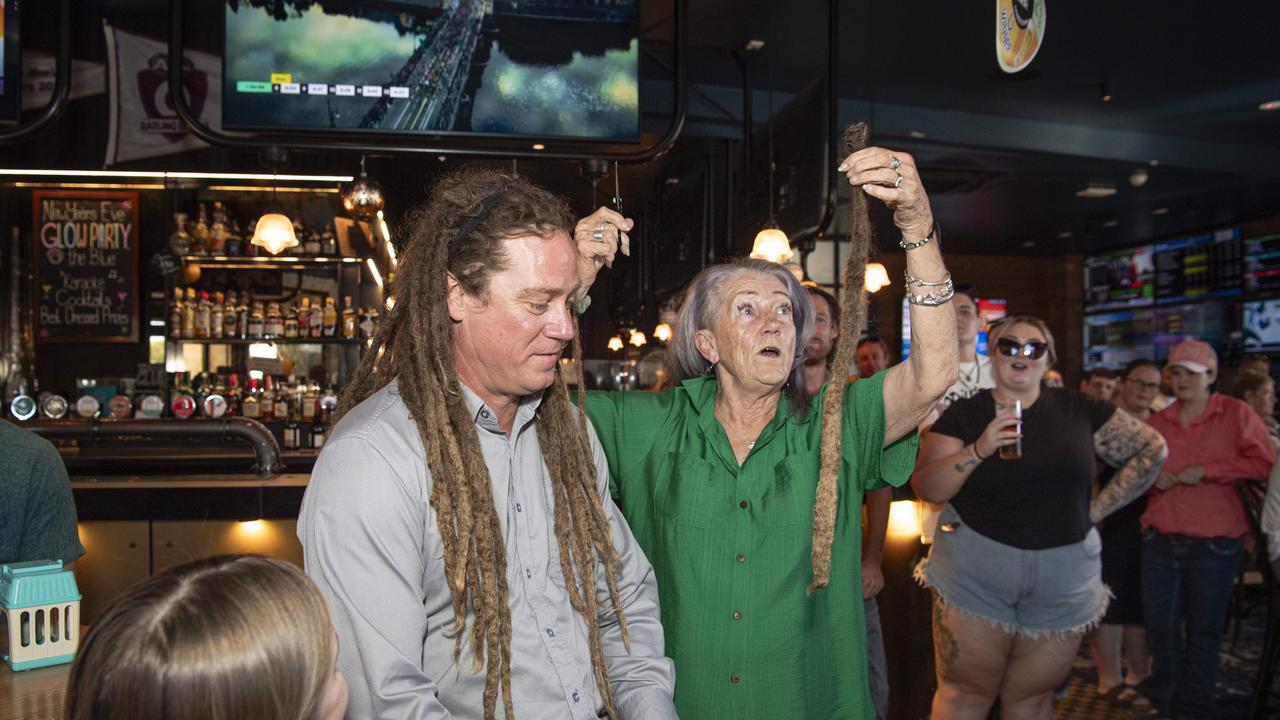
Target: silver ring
<point x="598" y="235"/>
<point x="894" y="163"/>
<point x="898" y="181"/>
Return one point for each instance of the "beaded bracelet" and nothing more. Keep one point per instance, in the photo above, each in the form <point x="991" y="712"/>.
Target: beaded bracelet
<point x="933" y="232"/>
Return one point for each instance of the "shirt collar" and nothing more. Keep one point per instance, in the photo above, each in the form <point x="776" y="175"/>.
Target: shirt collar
<point x="1217" y="405"/>
<point x="484" y="416"/>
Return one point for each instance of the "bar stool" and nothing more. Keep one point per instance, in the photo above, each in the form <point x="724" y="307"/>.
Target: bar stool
<point x="1252" y="493"/>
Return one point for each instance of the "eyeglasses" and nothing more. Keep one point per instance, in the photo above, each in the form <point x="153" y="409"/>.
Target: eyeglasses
<point x="1142" y="385"/>
<point x="1032" y="349"/>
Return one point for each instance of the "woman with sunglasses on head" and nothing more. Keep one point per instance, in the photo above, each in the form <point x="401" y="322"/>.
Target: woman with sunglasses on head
<point x="1194" y="527"/>
<point x="1015" y="568"/>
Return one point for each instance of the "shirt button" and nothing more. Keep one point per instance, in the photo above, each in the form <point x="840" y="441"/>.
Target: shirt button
<point x="575" y="696"/>
<point x="528" y="573"/>
<point x="519" y="507"/>
<point x="741" y="557"/>
<point x="742" y="504"/>
<point x="484" y="414"/>
<point x="737" y="615"/>
<point x="734" y="678"/>
<point x="551" y="632"/>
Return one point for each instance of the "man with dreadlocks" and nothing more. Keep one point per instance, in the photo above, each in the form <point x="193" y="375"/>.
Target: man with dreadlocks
<point x="746" y="494"/>
<point x="458" y="519"/>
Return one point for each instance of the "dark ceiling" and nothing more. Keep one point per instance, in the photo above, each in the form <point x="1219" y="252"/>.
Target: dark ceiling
<point x="1186" y="80"/>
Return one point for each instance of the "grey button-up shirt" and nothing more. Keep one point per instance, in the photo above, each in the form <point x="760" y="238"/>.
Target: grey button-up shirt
<point x="372" y="544"/>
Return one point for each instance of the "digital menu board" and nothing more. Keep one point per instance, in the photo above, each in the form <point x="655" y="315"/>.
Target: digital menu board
<point x="1113" y="339"/>
<point x="1262" y="264"/>
<point x="1211" y="322"/>
<point x="1262" y="325"/>
<point x="1199" y="267"/>
<point x="1119" y="279"/>
<point x="989" y="311"/>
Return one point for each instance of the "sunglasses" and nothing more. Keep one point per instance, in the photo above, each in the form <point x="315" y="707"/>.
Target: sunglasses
<point x="1032" y="349"/>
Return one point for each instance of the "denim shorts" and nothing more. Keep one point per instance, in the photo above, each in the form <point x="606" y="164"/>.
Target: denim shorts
<point x="1031" y="593"/>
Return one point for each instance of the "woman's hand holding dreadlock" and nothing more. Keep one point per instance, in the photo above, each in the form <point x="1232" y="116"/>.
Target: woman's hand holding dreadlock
<point x="891" y="176"/>
<point x="599" y="237"/>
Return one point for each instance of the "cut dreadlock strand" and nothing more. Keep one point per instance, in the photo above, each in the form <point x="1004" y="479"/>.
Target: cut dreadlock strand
<point x="852" y="309"/>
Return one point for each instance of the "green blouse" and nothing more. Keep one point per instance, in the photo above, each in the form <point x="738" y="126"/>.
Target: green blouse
<point x="730" y="546"/>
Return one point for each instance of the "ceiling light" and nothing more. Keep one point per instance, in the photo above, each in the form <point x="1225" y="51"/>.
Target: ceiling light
<point x="1104" y="91"/>
<point x="638" y="338"/>
<point x="1269" y="105"/>
<point x="1028" y="243"/>
<point x="1160" y="211"/>
<point x="1139" y="177"/>
<point x="1064" y="235"/>
<point x="160" y="174"/>
<point x="1110" y="223"/>
<point x="771" y="244"/>
<point x="1096" y="190"/>
<point x="615" y="343"/>
<point x="662" y="332"/>
<point x="539" y="146"/>
<point x="916" y="134"/>
<point x="754" y="44"/>
<point x="876" y="277"/>
<point x="274" y="232"/>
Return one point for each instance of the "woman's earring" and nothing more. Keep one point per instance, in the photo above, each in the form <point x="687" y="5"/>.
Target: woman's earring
<point x="711" y="369"/>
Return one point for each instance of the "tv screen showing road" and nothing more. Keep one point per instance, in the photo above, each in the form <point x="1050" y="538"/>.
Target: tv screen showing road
<point x="536" y="68"/>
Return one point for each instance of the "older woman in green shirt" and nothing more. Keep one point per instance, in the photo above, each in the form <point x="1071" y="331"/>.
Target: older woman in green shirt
<point x="718" y="477"/>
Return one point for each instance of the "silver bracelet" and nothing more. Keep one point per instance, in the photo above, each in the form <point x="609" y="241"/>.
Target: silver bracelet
<point x="933" y="233"/>
<point x="916" y="282"/>
<point x="933" y="298"/>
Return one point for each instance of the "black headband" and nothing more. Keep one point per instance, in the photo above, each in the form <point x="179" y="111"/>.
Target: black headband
<point x="473" y="220"/>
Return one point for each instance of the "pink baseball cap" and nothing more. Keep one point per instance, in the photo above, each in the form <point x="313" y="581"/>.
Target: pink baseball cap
<point x="1194" y="355"/>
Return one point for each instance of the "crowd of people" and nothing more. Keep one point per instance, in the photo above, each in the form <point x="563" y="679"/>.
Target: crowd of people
<point x="480" y="539"/>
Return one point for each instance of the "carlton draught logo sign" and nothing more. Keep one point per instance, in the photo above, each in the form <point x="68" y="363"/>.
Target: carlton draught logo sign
<point x="1019" y="32"/>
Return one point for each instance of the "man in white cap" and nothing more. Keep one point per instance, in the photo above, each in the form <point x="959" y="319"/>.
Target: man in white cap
<point x="1194" y="527"/>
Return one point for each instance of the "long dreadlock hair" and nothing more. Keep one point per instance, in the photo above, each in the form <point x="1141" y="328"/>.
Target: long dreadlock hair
<point x="463" y="229"/>
<point x="852" y="308"/>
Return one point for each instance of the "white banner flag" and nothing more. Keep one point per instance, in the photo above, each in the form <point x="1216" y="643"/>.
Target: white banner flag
<point x="143" y="121"/>
<point x="39" y="73"/>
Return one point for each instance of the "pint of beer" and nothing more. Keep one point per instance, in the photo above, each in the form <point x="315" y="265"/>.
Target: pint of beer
<point x="1014" y="450"/>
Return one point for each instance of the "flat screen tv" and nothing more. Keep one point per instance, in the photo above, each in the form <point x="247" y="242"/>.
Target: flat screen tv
<point x="524" y="68"/>
<point x="1113" y="339"/>
<point x="1262" y="264"/>
<point x="10" y="61"/>
<point x="1199" y="267"/>
<point x="1119" y="279"/>
<point x="989" y="311"/>
<point x="1212" y="322"/>
<point x="1261" y="319"/>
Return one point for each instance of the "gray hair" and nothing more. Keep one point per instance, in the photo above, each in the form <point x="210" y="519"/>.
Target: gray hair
<point x="703" y="298"/>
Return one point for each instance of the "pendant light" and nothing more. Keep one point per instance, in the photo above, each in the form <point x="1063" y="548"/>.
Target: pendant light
<point x="876" y="277"/>
<point x="274" y="231"/>
<point x="771" y="243"/>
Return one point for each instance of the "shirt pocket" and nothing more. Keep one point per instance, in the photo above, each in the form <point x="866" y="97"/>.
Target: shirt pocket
<point x="787" y="497"/>
<point x="695" y="494"/>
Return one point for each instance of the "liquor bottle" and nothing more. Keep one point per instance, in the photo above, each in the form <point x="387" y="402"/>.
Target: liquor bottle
<point x="216" y="318"/>
<point x="175" y="313"/>
<point x="189" y="314"/>
<point x="311" y="246"/>
<point x="310" y="399"/>
<point x="235" y="240"/>
<point x="292" y="432"/>
<point x="283" y="402"/>
<point x="330" y="317"/>
<point x="329" y="243"/>
<point x="202" y="315"/>
<point x="257" y="320"/>
<point x="218" y="230"/>
<point x="267" y="400"/>
<point x="290" y="321"/>
<point x="251" y="406"/>
<point x="233" y="394"/>
<point x="317" y="318"/>
<point x="180" y="241"/>
<point x="348" y="318"/>
<point x="319" y="429"/>
<point x="242" y="315"/>
<point x="200" y="232"/>
<point x="275" y="321"/>
<point x="304" y="316"/>
<point x="368" y="323"/>
<point x="230" y="323"/>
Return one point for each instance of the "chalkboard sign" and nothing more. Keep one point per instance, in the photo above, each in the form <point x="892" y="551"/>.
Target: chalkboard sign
<point x="86" y="257"/>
